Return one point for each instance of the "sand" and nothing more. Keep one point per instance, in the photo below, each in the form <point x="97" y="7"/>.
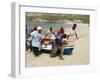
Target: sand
<point x="80" y="54"/>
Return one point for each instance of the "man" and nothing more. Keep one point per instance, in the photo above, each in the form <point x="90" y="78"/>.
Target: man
<point x="36" y="41"/>
<point x="29" y="39"/>
<point x="50" y="34"/>
<point x="73" y="33"/>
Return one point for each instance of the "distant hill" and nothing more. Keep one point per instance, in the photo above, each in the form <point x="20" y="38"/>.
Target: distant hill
<point x="55" y="17"/>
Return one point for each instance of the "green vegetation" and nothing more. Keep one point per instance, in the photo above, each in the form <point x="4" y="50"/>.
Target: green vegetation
<point x="57" y="17"/>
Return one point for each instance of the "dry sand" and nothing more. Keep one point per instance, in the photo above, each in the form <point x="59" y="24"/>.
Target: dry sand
<point x="80" y="54"/>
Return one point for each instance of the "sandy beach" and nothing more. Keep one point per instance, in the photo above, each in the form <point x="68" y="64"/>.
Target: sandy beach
<point x="80" y="54"/>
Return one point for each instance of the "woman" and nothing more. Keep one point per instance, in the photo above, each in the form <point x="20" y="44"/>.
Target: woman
<point x="57" y="46"/>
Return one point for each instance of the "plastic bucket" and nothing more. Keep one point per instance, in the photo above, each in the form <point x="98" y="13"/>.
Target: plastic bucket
<point x="68" y="51"/>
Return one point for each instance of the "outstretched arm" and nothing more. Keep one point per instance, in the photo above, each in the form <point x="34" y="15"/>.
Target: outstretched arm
<point x="53" y="33"/>
<point x="46" y="35"/>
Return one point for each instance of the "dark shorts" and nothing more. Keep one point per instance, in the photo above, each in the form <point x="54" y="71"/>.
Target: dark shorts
<point x="36" y="51"/>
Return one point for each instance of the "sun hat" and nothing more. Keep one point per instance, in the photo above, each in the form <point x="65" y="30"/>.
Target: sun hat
<point x="39" y="28"/>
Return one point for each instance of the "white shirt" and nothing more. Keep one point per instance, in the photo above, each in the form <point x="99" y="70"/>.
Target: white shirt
<point x="36" y="39"/>
<point x="50" y="35"/>
<point x="73" y="34"/>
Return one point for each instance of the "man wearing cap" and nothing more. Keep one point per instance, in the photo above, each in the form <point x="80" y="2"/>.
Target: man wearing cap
<point x="36" y="41"/>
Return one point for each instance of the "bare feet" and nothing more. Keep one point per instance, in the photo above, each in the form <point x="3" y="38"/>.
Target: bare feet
<point x="61" y="58"/>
